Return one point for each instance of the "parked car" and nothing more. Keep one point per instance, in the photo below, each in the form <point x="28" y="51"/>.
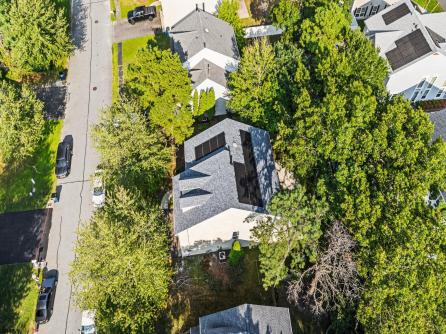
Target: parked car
<point x="98" y="189"/>
<point x="46" y="298"/>
<point x="63" y="160"/>
<point x="87" y="324"/>
<point x="141" y="13"/>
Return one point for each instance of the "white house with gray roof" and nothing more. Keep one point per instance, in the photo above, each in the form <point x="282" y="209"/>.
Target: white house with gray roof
<point x="208" y="49"/>
<point x="229" y="175"/>
<point x="246" y="319"/>
<point x="415" y="46"/>
<point x="175" y="10"/>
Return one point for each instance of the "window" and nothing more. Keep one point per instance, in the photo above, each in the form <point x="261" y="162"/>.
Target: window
<point x="360" y="12"/>
<point x="374" y="10"/>
<point x="417" y="90"/>
<point x="428" y="88"/>
<point x="441" y="91"/>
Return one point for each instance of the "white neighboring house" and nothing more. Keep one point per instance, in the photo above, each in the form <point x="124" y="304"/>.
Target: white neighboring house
<point x="363" y="9"/>
<point x="175" y="10"/>
<point x="229" y="175"/>
<point x="208" y="49"/>
<point x="415" y="46"/>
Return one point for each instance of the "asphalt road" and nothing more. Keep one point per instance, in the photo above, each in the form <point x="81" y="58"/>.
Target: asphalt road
<point x="122" y="30"/>
<point x="89" y="89"/>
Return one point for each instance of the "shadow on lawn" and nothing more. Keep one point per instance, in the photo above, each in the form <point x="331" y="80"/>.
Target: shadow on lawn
<point x="14" y="287"/>
<point x="17" y="190"/>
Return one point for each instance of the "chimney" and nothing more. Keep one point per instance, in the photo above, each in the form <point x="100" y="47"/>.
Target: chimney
<point x="203" y="6"/>
<point x="196" y="7"/>
<point x="209" y="69"/>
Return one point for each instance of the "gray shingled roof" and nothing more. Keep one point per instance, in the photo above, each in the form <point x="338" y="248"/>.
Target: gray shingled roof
<point x="207" y="187"/>
<point x="248" y="318"/>
<point x="405" y="39"/>
<point x="200" y="30"/>
<point x="207" y="70"/>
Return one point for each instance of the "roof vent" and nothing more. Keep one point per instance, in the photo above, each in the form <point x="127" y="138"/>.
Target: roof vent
<point x="196" y="7"/>
<point x="206" y="30"/>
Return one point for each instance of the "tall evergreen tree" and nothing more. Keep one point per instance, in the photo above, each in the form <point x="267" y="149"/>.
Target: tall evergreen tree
<point x="164" y="88"/>
<point x="34" y="36"/>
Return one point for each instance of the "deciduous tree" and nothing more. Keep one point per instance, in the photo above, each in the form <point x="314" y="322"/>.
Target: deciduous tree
<point x="286" y="15"/>
<point x="121" y="268"/>
<point x="21" y="123"/>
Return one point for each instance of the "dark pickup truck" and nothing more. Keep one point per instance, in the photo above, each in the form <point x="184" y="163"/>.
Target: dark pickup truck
<point x="141" y="13"/>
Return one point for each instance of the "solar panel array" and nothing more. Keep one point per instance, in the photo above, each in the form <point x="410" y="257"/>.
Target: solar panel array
<point x="408" y="48"/>
<point x="248" y="187"/>
<point x="395" y="14"/>
<point x="210" y="146"/>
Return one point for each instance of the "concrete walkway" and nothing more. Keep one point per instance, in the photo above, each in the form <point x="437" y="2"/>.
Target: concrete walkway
<point x="122" y="30"/>
<point x="243" y="12"/>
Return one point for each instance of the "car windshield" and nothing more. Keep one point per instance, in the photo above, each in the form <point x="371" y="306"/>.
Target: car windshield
<point x="40" y="313"/>
<point x="97" y="191"/>
<point x="61" y="163"/>
<point x="42" y="297"/>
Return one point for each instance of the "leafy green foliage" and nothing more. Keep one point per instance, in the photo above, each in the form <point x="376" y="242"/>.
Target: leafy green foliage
<point x="228" y="11"/>
<point x="204" y="102"/>
<point x="21" y="123"/>
<point x="163" y="87"/>
<point x="122" y="265"/>
<point x="254" y="88"/>
<point x="286" y="15"/>
<point x="236" y="254"/>
<point x="133" y="150"/>
<point x="288" y="238"/>
<point x="35" y="36"/>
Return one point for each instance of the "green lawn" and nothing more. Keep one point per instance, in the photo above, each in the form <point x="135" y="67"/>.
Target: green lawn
<point x="16" y="185"/>
<point x="129" y="53"/>
<point x="128" y="5"/>
<point x="432" y="6"/>
<point x="18" y="298"/>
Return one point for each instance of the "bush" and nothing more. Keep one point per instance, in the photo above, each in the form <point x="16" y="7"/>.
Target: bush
<point x="236" y="254"/>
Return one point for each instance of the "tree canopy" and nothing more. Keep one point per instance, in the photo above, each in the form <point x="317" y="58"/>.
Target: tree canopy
<point x="21" y="123"/>
<point x="163" y="87"/>
<point x="368" y="155"/>
<point x="34" y="36"/>
<point x="132" y="149"/>
<point x="122" y="265"/>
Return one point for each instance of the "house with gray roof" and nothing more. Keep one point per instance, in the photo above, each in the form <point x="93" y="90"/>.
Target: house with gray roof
<point x="414" y="44"/>
<point x="229" y="175"/>
<point x="208" y="49"/>
<point x="246" y="319"/>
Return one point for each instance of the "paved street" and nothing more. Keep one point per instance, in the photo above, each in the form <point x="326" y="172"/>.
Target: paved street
<point x="89" y="89"/>
<point x="122" y="30"/>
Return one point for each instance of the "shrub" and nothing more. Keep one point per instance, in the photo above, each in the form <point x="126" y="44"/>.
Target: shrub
<point x="236" y="254"/>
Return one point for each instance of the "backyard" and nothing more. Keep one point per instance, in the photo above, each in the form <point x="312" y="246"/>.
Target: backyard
<point x="30" y="185"/>
<point x="18" y="298"/>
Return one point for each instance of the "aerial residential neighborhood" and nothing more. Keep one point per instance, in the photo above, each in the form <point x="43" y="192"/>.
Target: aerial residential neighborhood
<point x="222" y="166"/>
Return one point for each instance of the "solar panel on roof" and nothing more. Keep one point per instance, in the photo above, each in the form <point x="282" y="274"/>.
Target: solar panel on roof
<point x="395" y="14"/>
<point x="210" y="146"/>
<point x="408" y="48"/>
<point x="248" y="187"/>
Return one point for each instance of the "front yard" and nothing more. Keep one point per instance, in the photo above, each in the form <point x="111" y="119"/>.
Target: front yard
<point x="18" y="298"/>
<point x="432" y="6"/>
<point x="128" y="5"/>
<point x="17" y="190"/>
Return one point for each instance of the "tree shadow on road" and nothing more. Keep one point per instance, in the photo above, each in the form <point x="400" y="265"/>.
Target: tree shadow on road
<point x="79" y="18"/>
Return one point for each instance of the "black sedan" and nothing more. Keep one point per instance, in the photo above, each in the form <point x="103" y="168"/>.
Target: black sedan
<point x="63" y="160"/>
<point x="46" y="299"/>
<point x="141" y="13"/>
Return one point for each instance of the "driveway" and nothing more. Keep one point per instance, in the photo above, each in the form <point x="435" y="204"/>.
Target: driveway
<point x="88" y="90"/>
<point x="122" y="30"/>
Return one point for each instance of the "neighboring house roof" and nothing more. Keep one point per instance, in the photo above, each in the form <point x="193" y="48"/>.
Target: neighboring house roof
<point x="249" y="319"/>
<point x="201" y="30"/>
<point x="229" y="165"/>
<point x="404" y="35"/>
<point x="174" y="10"/>
<point x="207" y="70"/>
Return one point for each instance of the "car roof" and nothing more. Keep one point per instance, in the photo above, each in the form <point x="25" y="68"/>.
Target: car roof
<point x="61" y="149"/>
<point x="41" y="304"/>
<point x="48" y="282"/>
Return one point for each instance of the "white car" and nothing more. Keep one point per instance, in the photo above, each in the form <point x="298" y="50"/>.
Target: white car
<point x="87" y="325"/>
<point x="98" y="189"/>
